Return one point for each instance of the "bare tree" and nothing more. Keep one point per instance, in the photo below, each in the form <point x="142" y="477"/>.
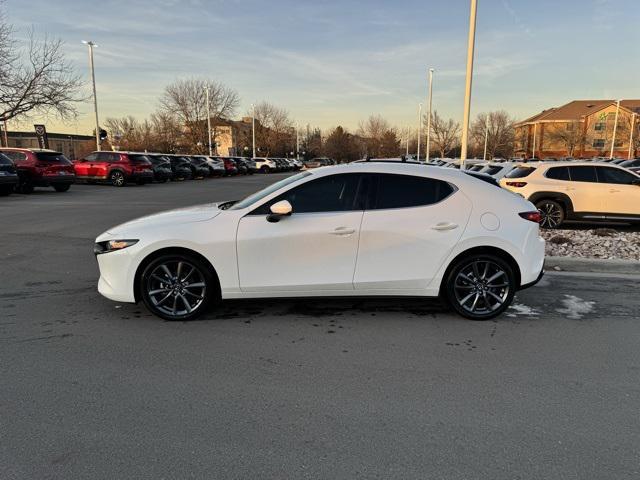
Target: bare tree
<point x="36" y="79"/>
<point x="444" y="134"/>
<point x="570" y="134"/>
<point x="275" y="132"/>
<point x="167" y="131"/>
<point x="380" y="139"/>
<point x="500" y="136"/>
<point x="186" y="99"/>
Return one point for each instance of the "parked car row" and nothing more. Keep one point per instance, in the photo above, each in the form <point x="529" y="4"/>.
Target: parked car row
<point x="563" y="190"/>
<point x="23" y="169"/>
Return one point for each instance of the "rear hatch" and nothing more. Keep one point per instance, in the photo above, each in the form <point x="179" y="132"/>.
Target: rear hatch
<point x="53" y="163"/>
<point x="140" y="163"/>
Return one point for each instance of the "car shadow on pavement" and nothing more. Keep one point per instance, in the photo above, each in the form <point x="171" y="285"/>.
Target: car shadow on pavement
<point x="324" y="307"/>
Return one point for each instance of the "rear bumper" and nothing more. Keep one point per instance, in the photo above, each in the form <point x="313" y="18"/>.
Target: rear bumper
<point x="531" y="284"/>
<point x="48" y="180"/>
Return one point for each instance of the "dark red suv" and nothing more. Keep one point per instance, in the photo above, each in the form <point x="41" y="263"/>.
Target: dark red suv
<point x="117" y="168"/>
<point x="41" y="168"/>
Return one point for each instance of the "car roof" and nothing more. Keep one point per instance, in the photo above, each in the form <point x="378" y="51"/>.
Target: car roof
<point x="34" y="150"/>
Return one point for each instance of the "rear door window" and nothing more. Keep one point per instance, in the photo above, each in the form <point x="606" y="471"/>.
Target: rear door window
<point x="493" y="170"/>
<point x="520" y="172"/>
<point x="583" y="173"/>
<point x="558" y="173"/>
<point x="405" y="191"/>
<point x="16" y="156"/>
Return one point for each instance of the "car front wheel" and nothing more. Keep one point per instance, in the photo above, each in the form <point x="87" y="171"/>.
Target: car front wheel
<point x="480" y="287"/>
<point x="552" y="214"/>
<point x="177" y="287"/>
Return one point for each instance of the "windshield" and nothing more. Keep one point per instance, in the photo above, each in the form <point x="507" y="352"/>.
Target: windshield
<point x="52" y="157"/>
<point x="251" y="199"/>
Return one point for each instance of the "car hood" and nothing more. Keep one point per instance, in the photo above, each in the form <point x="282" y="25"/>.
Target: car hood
<point x="179" y="216"/>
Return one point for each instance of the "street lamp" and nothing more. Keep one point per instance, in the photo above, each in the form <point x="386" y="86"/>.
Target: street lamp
<point x="467" y="90"/>
<point x="429" y="117"/>
<point x="297" y="141"/>
<point x="633" y="125"/>
<point x="615" y="128"/>
<point x="208" y="120"/>
<point x="419" y="128"/>
<point x="253" y="127"/>
<point x="91" y="46"/>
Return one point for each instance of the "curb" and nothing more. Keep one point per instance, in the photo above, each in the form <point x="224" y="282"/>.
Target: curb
<point x="591" y="265"/>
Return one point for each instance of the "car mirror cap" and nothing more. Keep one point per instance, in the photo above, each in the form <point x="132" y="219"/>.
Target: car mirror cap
<point x="282" y="208"/>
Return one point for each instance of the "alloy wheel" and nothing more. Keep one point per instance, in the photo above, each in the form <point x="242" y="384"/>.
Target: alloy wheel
<point x="481" y="287"/>
<point x="176" y="288"/>
<point x="551" y="214"/>
<point x="117" y="179"/>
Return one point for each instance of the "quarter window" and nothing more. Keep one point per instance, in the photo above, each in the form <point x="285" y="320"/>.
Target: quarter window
<point x="520" y="172"/>
<point x="615" y="175"/>
<point x="583" y="174"/>
<point x="403" y="191"/>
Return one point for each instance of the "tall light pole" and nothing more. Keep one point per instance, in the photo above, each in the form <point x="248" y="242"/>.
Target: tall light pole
<point x="428" y="148"/>
<point x="535" y="131"/>
<point x="467" y="89"/>
<point x="407" y="131"/>
<point x="615" y="128"/>
<point x="633" y="125"/>
<point x="419" y="128"/>
<point x="486" y="138"/>
<point x="297" y="141"/>
<point x="208" y="120"/>
<point x="253" y="127"/>
<point x="91" y="45"/>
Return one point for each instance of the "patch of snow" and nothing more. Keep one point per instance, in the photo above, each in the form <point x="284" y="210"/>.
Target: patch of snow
<point x="520" y="309"/>
<point x="575" y="307"/>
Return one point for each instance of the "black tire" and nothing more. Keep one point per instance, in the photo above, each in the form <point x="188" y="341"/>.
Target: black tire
<point x="480" y="286"/>
<point x="264" y="169"/>
<point x="26" y="188"/>
<point x="552" y="213"/>
<point x="184" y="295"/>
<point x="64" y="187"/>
<point x="116" y="178"/>
<point x="5" y="190"/>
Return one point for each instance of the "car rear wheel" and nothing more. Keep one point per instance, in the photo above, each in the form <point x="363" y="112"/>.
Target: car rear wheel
<point x="177" y="287"/>
<point x="26" y="187"/>
<point x="480" y="287"/>
<point x="264" y="169"/>
<point x="117" y="178"/>
<point x="62" y="188"/>
<point x="552" y="213"/>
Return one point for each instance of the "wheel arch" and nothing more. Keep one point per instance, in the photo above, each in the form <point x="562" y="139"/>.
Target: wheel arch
<point x="172" y="251"/>
<point x="559" y="197"/>
<point x="479" y="251"/>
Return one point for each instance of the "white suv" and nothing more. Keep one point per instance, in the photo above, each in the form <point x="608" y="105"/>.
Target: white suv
<point x="577" y="191"/>
<point x="265" y="165"/>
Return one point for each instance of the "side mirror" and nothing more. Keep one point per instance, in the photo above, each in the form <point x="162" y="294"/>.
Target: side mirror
<point x="278" y="210"/>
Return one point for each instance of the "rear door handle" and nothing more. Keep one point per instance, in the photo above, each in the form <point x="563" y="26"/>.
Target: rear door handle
<point x="442" y="226"/>
<point x="343" y="231"/>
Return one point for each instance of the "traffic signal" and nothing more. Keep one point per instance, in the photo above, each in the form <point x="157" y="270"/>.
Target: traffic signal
<point x="103" y="134"/>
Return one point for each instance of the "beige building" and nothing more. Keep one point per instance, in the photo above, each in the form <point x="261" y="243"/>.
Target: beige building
<point x="233" y="137"/>
<point x="581" y="129"/>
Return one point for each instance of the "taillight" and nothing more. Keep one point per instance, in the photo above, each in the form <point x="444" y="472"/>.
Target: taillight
<point x="535" y="217"/>
<point x="516" y="184"/>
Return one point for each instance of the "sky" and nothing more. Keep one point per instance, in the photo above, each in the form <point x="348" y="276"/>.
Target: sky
<point x="335" y="63"/>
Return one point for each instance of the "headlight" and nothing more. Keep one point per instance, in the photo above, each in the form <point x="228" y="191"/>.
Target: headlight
<point x="112" y="245"/>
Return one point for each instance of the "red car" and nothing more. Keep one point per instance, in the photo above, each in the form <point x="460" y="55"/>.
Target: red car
<point x="230" y="167"/>
<point x="117" y="168"/>
<point x="41" y="168"/>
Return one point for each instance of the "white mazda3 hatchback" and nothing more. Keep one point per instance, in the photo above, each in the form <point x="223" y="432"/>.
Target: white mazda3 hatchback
<point x="350" y="230"/>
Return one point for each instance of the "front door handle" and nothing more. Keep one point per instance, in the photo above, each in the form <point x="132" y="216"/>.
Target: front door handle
<point x="343" y="231"/>
<point x="613" y="190"/>
<point x="443" y="226"/>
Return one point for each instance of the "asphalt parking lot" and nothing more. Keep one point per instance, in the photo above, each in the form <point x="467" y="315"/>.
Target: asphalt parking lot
<point x="335" y="389"/>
